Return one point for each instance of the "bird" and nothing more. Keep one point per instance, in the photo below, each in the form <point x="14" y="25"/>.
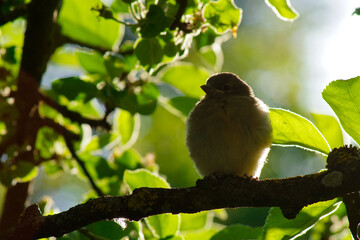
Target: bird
<point x="229" y="132"/>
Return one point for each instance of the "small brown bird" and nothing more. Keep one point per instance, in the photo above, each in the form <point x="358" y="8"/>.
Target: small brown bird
<point x="229" y="130"/>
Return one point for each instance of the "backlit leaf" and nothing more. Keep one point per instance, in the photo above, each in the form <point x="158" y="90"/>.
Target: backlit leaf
<point x="283" y="9"/>
<point x="343" y="96"/>
<point x="291" y="129"/>
<point x="278" y="227"/>
<point x="223" y="15"/>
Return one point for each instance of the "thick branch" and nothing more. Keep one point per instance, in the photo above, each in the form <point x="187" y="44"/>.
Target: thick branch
<point x="352" y="203"/>
<point x="40" y="37"/>
<point x="37" y="49"/>
<point x="210" y="193"/>
<point x="14" y="205"/>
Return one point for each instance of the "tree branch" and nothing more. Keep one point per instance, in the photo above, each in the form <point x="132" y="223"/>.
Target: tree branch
<point x="74" y="116"/>
<point x="18" y="11"/>
<point x="352" y="203"/>
<point x="40" y="37"/>
<point x="66" y="39"/>
<point x="14" y="205"/>
<point x="179" y="13"/>
<point x="82" y="166"/>
<point x="210" y="193"/>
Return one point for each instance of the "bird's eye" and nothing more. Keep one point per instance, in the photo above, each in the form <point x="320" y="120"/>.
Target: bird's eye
<point x="227" y="88"/>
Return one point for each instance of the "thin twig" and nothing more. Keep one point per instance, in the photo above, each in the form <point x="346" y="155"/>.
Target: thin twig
<point x="69" y="138"/>
<point x="58" y="128"/>
<point x="70" y="146"/>
<point x="179" y="14"/>
<point x="74" y="116"/>
<point x="66" y="39"/>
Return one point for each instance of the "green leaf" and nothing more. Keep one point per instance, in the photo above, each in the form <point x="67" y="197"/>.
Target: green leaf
<point x="163" y="225"/>
<point x="91" y="109"/>
<point x="357" y="11"/>
<point x="73" y="88"/>
<point x="170" y="49"/>
<point x="143" y="102"/>
<point x="291" y="129"/>
<point x="330" y="128"/>
<point x="154" y="23"/>
<point x="183" y="104"/>
<point x="24" y="171"/>
<point x="222" y="15"/>
<point x="80" y="22"/>
<point x="120" y="6"/>
<point x="193" y="221"/>
<point x="143" y="178"/>
<point x="65" y="56"/>
<point x="112" y="230"/>
<point x="206" y="39"/>
<point x="278" y="227"/>
<point x="148" y="51"/>
<point x="92" y="62"/>
<point x="187" y="78"/>
<point x="238" y="232"/>
<point x="124" y="125"/>
<point x="283" y="9"/>
<point x="203" y="234"/>
<point x="343" y="96"/>
<point x="129" y="159"/>
<point x="98" y="142"/>
<point x="52" y="167"/>
<point x="98" y="166"/>
<point x="115" y="64"/>
<point x="13" y="33"/>
<point x="45" y="142"/>
<point x="9" y="55"/>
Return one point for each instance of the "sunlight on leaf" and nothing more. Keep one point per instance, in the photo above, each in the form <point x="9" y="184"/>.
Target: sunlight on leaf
<point x="283" y="9"/>
<point x="223" y="15"/>
<point x="187" y="78"/>
<point x="24" y="171"/>
<point x="330" y="128"/>
<point x="92" y="62"/>
<point x="143" y="178"/>
<point x="291" y="129"/>
<point x="183" y="104"/>
<point x="194" y="221"/>
<point x="79" y="22"/>
<point x="203" y="234"/>
<point x="162" y="225"/>
<point x="343" y="96"/>
<point x="278" y="227"/>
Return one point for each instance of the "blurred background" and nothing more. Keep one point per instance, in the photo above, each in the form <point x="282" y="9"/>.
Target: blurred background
<point x="287" y="64"/>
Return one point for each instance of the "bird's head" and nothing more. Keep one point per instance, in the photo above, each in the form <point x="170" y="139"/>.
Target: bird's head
<point x="226" y="84"/>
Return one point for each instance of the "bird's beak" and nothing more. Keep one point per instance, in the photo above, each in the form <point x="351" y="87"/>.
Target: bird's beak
<point x="209" y="90"/>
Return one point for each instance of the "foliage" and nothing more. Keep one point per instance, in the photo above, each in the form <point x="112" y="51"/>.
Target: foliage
<point x="126" y="76"/>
